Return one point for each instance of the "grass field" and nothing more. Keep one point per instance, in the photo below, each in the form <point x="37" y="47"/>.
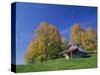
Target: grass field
<point x="60" y="64"/>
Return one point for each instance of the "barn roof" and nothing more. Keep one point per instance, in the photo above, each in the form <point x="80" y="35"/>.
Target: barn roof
<point x="71" y="50"/>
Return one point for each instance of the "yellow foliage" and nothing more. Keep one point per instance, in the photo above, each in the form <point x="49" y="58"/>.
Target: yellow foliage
<point x="47" y="42"/>
<point x="86" y="38"/>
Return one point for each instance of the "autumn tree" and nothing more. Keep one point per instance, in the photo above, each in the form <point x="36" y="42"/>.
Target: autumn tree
<point x="86" y="38"/>
<point x="75" y="33"/>
<point x="90" y="39"/>
<point x="46" y="44"/>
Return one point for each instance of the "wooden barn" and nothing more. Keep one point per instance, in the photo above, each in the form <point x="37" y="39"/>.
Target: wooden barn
<point x="74" y="52"/>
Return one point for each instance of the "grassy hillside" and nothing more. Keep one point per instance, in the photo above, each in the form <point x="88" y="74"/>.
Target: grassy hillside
<point x="60" y="64"/>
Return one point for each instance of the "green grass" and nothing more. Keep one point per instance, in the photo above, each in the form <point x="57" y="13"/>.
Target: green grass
<point x="60" y="64"/>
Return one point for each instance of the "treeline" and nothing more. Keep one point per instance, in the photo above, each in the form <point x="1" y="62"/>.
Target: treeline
<point x="48" y="43"/>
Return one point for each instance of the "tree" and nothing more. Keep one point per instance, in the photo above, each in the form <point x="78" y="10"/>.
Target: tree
<point x="91" y="39"/>
<point x="86" y="38"/>
<point x="46" y="44"/>
<point x="75" y="33"/>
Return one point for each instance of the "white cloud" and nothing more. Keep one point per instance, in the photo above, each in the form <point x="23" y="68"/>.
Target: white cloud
<point x="65" y="31"/>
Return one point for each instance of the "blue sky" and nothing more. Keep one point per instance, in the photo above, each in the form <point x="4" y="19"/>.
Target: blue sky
<point x="29" y="16"/>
